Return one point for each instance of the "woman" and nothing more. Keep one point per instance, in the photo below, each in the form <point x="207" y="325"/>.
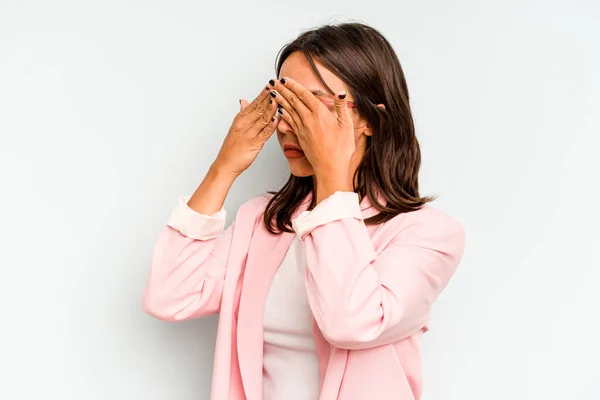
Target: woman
<point x="323" y="288"/>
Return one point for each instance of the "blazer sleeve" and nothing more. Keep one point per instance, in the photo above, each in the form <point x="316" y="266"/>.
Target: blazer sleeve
<point x="188" y="265"/>
<point x="362" y="299"/>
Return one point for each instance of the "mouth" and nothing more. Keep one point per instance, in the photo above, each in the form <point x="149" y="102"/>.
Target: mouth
<point x="292" y="151"/>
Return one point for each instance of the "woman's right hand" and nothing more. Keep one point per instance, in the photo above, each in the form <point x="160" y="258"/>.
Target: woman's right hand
<point x="250" y="130"/>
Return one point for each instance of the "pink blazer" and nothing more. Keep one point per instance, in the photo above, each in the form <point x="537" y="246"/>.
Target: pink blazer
<point x="370" y="289"/>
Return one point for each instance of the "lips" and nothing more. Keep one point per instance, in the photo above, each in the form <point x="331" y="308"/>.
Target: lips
<point x="292" y="151"/>
<point x="290" y="146"/>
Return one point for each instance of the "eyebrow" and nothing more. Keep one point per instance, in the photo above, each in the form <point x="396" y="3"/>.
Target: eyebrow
<point x="319" y="92"/>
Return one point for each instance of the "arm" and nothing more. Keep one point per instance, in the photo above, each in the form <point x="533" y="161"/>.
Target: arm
<point x="362" y="299"/>
<point x="190" y="256"/>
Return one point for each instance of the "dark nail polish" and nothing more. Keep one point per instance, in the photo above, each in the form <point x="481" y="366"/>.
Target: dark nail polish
<point x="280" y="110"/>
<point x="273" y="94"/>
<point x="272" y="82"/>
<point x="282" y="80"/>
<point x="342" y="96"/>
<point x="267" y="88"/>
<point x="270" y="101"/>
<point x="273" y="119"/>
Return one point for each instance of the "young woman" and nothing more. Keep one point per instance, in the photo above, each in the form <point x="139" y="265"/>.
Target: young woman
<point x="324" y="288"/>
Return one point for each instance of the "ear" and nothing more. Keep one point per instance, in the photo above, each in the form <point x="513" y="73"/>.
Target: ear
<point x="369" y="131"/>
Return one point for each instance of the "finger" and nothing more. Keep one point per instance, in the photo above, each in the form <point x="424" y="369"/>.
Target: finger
<point x="295" y="118"/>
<point x="284" y="115"/>
<point x="257" y="113"/>
<point x="243" y="104"/>
<point x="269" y="129"/>
<point x="295" y="90"/>
<point x="341" y="108"/>
<point x="265" y="118"/>
<point x="293" y="100"/>
<point x="257" y="102"/>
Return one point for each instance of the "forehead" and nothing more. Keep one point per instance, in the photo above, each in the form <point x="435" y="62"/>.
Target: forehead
<point x="297" y="67"/>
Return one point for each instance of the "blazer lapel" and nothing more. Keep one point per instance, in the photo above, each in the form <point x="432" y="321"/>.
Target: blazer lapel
<point x="265" y="255"/>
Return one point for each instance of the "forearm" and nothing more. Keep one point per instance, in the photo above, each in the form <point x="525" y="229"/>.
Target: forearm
<point x="210" y="195"/>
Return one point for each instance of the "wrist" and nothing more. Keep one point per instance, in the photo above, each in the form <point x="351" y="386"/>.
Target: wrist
<point x="220" y="172"/>
<point x="328" y="184"/>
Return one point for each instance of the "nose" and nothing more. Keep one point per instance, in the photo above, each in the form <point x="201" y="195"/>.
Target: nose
<point x="284" y="127"/>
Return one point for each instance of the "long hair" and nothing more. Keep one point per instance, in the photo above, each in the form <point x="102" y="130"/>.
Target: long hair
<point x="364" y="60"/>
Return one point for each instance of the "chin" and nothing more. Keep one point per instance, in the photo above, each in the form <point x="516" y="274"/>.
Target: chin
<point x="300" y="167"/>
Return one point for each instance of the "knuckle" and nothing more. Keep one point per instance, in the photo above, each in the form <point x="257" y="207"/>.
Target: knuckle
<point x="264" y="120"/>
<point x="260" y="108"/>
<point x="268" y="131"/>
<point x="237" y="124"/>
<point x="265" y="133"/>
<point x="303" y="94"/>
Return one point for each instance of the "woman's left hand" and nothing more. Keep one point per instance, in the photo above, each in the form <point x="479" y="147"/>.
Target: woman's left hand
<point x="326" y="137"/>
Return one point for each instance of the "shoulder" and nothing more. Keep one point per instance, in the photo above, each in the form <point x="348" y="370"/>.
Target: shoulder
<point x="430" y="227"/>
<point x="255" y="206"/>
<point x="430" y="217"/>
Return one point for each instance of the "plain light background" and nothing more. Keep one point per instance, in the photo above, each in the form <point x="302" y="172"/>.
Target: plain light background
<point x="109" y="111"/>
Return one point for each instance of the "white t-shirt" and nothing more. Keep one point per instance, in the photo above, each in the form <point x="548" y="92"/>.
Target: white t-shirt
<point x="290" y="362"/>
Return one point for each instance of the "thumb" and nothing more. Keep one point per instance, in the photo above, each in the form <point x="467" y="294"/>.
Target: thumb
<point x="243" y="104"/>
<point x="341" y="108"/>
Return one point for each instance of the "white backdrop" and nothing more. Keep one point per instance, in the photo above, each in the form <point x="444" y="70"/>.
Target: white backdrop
<point x="108" y="112"/>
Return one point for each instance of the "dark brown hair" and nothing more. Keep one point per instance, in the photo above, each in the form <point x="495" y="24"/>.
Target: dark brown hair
<point x="364" y="60"/>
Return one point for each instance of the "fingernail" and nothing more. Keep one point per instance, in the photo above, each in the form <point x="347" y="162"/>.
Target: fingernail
<point x="270" y="101"/>
<point x="273" y="94"/>
<point x="272" y="119"/>
<point x="282" y="80"/>
<point x="280" y="110"/>
<point x="272" y="82"/>
<point x="267" y="88"/>
<point x="342" y="95"/>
